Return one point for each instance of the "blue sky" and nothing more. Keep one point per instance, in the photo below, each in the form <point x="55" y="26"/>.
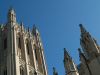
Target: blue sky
<point x="58" y="22"/>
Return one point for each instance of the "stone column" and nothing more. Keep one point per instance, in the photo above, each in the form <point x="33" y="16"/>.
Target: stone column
<point x="44" y="63"/>
<point x="34" y="58"/>
<point x="16" y="56"/>
<point x="26" y="60"/>
<point x="9" y="51"/>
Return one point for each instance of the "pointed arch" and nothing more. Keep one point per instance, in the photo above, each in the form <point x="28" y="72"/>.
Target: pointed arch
<point x="22" y="71"/>
<point x="19" y="41"/>
<point x="27" y="46"/>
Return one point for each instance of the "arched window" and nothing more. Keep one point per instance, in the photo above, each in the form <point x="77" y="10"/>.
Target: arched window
<point x="35" y="52"/>
<point x="21" y="71"/>
<point x="35" y="73"/>
<point x="27" y="46"/>
<point x="5" y="43"/>
<point x="19" y="42"/>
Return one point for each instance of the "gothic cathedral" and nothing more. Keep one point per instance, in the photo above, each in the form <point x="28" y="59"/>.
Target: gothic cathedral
<point x="21" y="50"/>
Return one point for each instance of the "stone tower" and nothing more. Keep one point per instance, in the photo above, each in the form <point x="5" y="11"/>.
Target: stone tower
<point x="89" y="55"/>
<point x="70" y="67"/>
<point x="11" y="16"/>
<point x="21" y="50"/>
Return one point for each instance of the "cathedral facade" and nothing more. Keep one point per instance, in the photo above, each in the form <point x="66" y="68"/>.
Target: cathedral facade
<point x="89" y="54"/>
<point x="21" y="50"/>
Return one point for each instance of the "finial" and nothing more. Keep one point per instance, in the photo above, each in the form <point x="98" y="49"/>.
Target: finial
<point x="53" y="68"/>
<point x="34" y="27"/>
<point x="79" y="50"/>
<point x="54" y="71"/>
<point x="80" y="25"/>
<point x="28" y="29"/>
<point x="65" y="52"/>
<point x="80" y="53"/>
<point x="83" y="30"/>
<point x="21" y="23"/>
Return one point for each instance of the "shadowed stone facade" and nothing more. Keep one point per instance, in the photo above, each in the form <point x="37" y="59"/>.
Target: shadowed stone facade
<point x="21" y="50"/>
<point x="89" y="54"/>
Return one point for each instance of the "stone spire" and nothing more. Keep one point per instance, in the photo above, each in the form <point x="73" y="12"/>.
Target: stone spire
<point x="54" y="71"/>
<point x="34" y="29"/>
<point x="82" y="57"/>
<point x="11" y="16"/>
<point x="70" y="67"/>
<point x="22" y="26"/>
<point x="84" y="61"/>
<point x="88" y="44"/>
<point x="66" y="55"/>
<point x="82" y="29"/>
